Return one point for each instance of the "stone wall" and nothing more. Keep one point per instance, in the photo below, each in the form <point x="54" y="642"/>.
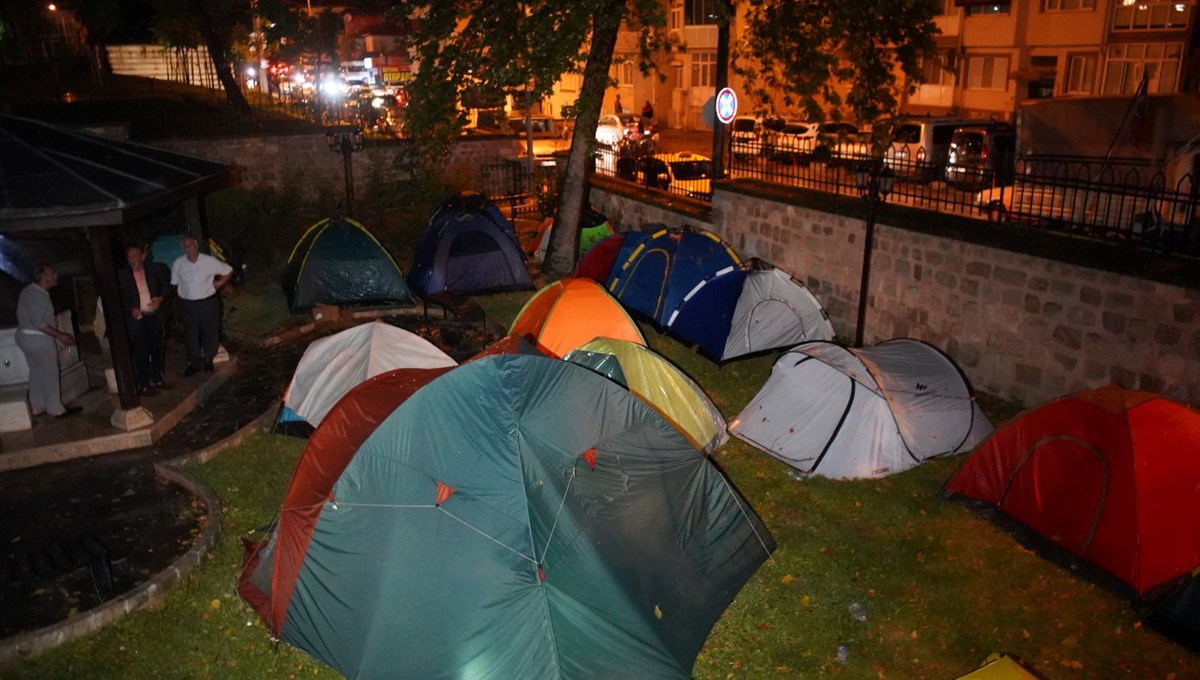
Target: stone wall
<point x="1026" y="316"/>
<point x="304" y="161"/>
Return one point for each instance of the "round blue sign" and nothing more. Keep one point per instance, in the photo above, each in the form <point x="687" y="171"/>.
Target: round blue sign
<point x="726" y="105"/>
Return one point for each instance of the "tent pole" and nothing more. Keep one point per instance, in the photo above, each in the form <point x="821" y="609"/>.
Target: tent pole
<point x="197" y="221"/>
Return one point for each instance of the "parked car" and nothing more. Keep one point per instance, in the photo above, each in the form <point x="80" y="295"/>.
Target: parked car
<point x="616" y="127"/>
<point x="684" y="172"/>
<point x="745" y="137"/>
<point x="982" y="155"/>
<point x="830" y="138"/>
<point x="920" y="147"/>
<point x="793" y="143"/>
<point x="548" y="139"/>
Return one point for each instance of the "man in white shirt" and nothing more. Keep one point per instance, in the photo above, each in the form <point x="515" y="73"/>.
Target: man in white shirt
<point x="38" y="337"/>
<point x="198" y="278"/>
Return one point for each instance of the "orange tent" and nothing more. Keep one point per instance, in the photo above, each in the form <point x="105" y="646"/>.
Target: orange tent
<point x="1110" y="475"/>
<point x="571" y="312"/>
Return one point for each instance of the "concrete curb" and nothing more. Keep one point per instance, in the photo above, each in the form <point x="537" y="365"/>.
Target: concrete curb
<point x="28" y="645"/>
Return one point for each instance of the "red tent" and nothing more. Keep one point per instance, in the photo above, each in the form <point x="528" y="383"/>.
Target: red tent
<point x="1110" y="475"/>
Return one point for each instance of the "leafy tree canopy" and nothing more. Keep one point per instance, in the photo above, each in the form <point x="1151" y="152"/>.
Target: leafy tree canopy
<point x="832" y="55"/>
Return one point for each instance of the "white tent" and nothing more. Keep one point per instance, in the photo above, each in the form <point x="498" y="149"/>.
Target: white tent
<point x="857" y="413"/>
<point x="334" y="365"/>
<point x="774" y="310"/>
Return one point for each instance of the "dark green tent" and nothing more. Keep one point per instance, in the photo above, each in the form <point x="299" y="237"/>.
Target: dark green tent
<point x="515" y="517"/>
<point x="339" y="262"/>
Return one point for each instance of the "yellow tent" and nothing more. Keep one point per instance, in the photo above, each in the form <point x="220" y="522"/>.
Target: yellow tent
<point x="660" y="384"/>
<point x="1000" y="667"/>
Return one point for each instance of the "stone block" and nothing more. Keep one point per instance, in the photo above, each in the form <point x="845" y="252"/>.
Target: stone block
<point x="1062" y="288"/>
<point x="1067" y="361"/>
<point x="1032" y="304"/>
<point x="1009" y="277"/>
<point x="1151" y="383"/>
<point x="1028" y="375"/>
<point x="980" y="269"/>
<point x="1039" y="284"/>
<point x="1123" y="377"/>
<point x="1094" y="370"/>
<point x="1118" y="300"/>
<point x="1113" y="322"/>
<point x="969" y="287"/>
<point x="1081" y="317"/>
<point x="945" y="280"/>
<point x="1167" y="335"/>
<point x="1051" y="310"/>
<point x="1090" y="296"/>
<point x="1071" y="338"/>
<point x="1185" y="312"/>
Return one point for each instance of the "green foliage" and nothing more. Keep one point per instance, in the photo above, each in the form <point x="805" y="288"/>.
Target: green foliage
<point x="826" y="55"/>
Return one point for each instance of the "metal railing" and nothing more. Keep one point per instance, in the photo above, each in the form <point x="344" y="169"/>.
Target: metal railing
<point x="520" y="191"/>
<point x="1108" y="201"/>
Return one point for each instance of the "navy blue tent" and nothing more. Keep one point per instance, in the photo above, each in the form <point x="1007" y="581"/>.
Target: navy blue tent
<point x="663" y="269"/>
<point x="339" y="262"/>
<point x="705" y="315"/>
<point x="467" y="248"/>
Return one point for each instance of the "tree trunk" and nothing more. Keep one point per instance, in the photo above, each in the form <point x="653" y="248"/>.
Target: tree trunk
<point x="216" y="51"/>
<point x="564" y="237"/>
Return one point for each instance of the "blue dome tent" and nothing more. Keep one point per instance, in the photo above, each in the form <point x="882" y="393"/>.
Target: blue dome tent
<point x="467" y="248"/>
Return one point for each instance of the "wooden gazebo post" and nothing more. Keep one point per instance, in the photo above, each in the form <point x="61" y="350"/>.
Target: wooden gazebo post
<point x="130" y="415"/>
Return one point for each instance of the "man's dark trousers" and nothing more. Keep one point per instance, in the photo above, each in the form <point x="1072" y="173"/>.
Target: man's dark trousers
<point x="201" y="323"/>
<point x="146" y="334"/>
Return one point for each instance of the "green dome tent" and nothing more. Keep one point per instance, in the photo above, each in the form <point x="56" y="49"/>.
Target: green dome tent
<point x="515" y="517"/>
<point x="338" y="262"/>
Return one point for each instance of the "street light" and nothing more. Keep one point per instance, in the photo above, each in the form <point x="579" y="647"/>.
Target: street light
<point x="874" y="182"/>
<point x="345" y="139"/>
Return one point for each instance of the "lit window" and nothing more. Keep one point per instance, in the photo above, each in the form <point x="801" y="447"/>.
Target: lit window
<point x="1150" y="15"/>
<point x="1081" y="72"/>
<point x="700" y="12"/>
<point x="940" y="69"/>
<point x="987" y="73"/>
<point x="1126" y="63"/>
<point x="990" y="8"/>
<point x="1069" y="5"/>
<point x="704" y="69"/>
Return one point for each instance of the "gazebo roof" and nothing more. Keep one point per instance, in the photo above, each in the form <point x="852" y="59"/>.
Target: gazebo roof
<point x="54" y="177"/>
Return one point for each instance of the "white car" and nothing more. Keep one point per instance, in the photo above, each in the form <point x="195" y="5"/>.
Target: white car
<point x="794" y="143"/>
<point x="615" y="127"/>
<point x="744" y="136"/>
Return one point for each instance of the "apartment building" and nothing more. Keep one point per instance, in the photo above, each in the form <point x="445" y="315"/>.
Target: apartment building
<point x="993" y="56"/>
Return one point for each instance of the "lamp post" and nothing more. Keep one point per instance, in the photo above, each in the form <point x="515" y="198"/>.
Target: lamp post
<point x="874" y="182"/>
<point x="345" y="139"/>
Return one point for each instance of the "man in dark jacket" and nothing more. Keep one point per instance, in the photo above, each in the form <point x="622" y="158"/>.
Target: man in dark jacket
<point x="143" y="286"/>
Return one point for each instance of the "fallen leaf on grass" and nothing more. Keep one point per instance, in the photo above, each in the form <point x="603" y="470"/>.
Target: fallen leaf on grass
<point x="787" y="579"/>
<point x="215" y="604"/>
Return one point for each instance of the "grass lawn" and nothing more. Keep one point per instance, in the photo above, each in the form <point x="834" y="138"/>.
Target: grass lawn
<point x="942" y="587"/>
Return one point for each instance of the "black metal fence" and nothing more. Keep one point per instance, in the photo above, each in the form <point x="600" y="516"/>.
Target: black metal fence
<point x="517" y="189"/>
<point x="1118" y="203"/>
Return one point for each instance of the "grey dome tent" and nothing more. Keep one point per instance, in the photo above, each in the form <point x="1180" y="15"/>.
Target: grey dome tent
<point x="858" y="413"/>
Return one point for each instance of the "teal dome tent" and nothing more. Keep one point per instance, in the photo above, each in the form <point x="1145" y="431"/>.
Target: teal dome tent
<point x="515" y="517"/>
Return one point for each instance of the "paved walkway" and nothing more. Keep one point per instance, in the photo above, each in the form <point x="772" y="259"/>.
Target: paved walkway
<point x="117" y="499"/>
